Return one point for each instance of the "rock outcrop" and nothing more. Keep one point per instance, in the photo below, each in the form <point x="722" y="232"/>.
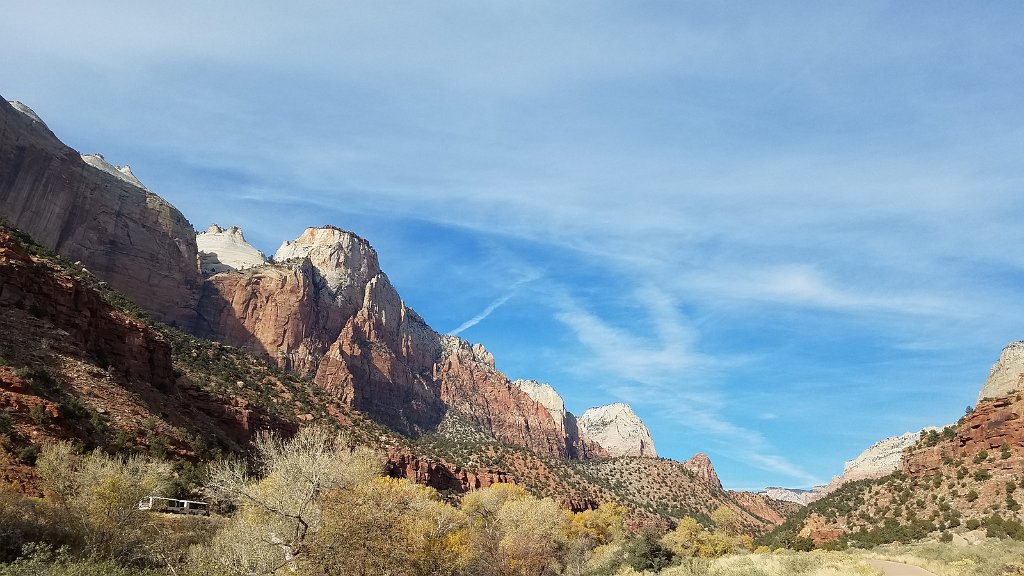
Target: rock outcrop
<point x="618" y="430"/>
<point x="995" y="428"/>
<point x="701" y="467"/>
<point x="87" y="322"/>
<point x="880" y="459"/>
<point x="1007" y="374"/>
<point x="795" y="495"/>
<point x="324" y="308"/>
<point x="90" y="211"/>
<point x="225" y="249"/>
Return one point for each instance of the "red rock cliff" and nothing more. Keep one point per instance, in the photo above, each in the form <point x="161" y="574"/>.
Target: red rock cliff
<point x="325" y="308"/>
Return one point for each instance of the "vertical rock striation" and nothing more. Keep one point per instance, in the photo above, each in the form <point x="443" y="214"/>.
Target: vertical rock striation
<point x="325" y="308"/>
<point x="90" y="211"/>
<point x="1007" y="374"/>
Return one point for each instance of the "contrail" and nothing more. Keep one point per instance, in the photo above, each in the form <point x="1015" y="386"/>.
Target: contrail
<point x="492" y="306"/>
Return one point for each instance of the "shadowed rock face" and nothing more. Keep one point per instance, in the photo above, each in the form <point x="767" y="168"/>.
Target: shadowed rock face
<point x="326" y="309"/>
<point x="97" y="214"/>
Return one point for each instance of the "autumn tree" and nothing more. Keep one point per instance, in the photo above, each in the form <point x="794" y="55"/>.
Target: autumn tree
<point x="387" y="526"/>
<point x="95" y="496"/>
<point x="512" y="533"/>
<point x="279" y="500"/>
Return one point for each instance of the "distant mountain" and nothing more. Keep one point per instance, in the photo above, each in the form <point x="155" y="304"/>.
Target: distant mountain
<point x="795" y="495"/>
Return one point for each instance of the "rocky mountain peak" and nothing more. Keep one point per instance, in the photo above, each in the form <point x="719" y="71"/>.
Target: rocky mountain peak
<point x="344" y="261"/>
<point x="701" y="467"/>
<point x="225" y="249"/>
<point x="880" y="458"/>
<point x="545" y="395"/>
<point x="20" y="107"/>
<point x="1007" y="374"/>
<point x="122" y="172"/>
<point x="618" y="430"/>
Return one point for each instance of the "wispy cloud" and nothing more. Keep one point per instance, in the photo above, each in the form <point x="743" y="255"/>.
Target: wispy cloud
<point x="498" y="302"/>
<point x="663" y="374"/>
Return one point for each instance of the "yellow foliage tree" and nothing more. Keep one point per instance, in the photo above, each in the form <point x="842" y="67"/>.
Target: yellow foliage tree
<point x="96" y="496"/>
<point x="512" y="533"/>
<point x="387" y="526"/>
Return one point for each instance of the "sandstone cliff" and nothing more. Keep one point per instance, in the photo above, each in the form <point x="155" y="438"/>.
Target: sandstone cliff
<point x="1007" y="374"/>
<point x="325" y="308"/>
<point x="880" y="459"/>
<point x="618" y="430"/>
<point x="90" y="211"/>
<point x="794" y="495"/>
<point x="702" y="468"/>
<point x="222" y="250"/>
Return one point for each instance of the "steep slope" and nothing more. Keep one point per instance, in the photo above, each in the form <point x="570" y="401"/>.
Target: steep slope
<point x="1007" y="374"/>
<point x="701" y="467"/>
<point x="325" y="308"/>
<point x="89" y="211"/>
<point x="618" y="430"/>
<point x="960" y="477"/>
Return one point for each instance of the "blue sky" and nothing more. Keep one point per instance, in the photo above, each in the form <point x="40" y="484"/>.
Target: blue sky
<point x="781" y="231"/>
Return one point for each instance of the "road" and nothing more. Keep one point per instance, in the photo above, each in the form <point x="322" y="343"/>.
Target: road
<point x="897" y="569"/>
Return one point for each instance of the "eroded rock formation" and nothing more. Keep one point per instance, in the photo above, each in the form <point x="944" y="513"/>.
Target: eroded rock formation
<point x="618" y="430"/>
<point x="702" y="468"/>
<point x="90" y="211"/>
<point x="1007" y="374"/>
<point x="325" y="308"/>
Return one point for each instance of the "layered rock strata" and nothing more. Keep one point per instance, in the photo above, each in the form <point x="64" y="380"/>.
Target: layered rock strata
<point x="325" y="308"/>
<point x="701" y="467"/>
<point x="618" y="430"/>
<point x="90" y="211"/>
<point x="225" y="249"/>
<point x="995" y="428"/>
<point x="87" y="322"/>
<point x="1007" y="374"/>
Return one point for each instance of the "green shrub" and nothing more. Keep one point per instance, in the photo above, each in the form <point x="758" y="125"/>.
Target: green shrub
<point x="28" y="454"/>
<point x="37" y="413"/>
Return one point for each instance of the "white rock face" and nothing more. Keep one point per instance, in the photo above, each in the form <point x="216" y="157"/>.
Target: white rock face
<point x="225" y="249"/>
<point x="122" y="172"/>
<point x="802" y="497"/>
<point x="1007" y="375"/>
<point x="546" y="396"/>
<point x="618" y="429"/>
<point x="342" y="258"/>
<point x="883" y="457"/>
<point x="26" y="111"/>
<point x="880" y="459"/>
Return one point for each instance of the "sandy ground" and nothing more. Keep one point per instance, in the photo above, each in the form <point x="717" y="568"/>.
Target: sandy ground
<point x="896" y="569"/>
